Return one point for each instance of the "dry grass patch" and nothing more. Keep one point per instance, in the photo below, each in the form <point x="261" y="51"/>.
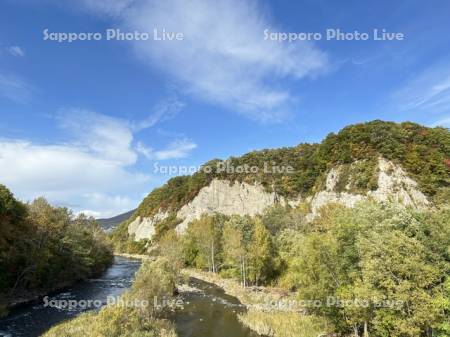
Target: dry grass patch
<point x="283" y="324"/>
<point x="262" y="316"/>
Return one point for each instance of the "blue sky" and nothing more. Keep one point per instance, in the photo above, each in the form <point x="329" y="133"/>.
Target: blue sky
<point x="83" y="123"/>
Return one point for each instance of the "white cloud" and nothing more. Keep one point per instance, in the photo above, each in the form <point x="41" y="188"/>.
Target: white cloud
<point x="179" y="148"/>
<point x="93" y="170"/>
<point x="428" y="91"/>
<point x="144" y="150"/>
<point x="16" y="51"/>
<point x="89" y="212"/>
<point x="14" y="88"/>
<point x="62" y="173"/>
<point x="223" y="58"/>
<point x="107" y="136"/>
<point x="103" y="205"/>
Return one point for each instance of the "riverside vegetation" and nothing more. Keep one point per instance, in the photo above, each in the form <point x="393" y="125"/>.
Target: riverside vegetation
<point x="154" y="279"/>
<point x="378" y="253"/>
<point x="386" y="266"/>
<point x="378" y="269"/>
<point x="44" y="248"/>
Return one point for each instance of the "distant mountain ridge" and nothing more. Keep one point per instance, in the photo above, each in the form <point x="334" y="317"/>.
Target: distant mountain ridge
<point x="109" y="224"/>
<point x="376" y="159"/>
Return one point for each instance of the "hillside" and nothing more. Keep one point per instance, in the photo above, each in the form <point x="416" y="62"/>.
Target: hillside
<point x="373" y="159"/>
<point x="109" y="224"/>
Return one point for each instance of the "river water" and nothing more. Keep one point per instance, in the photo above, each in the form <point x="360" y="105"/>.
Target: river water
<point x="33" y="319"/>
<point x="207" y="310"/>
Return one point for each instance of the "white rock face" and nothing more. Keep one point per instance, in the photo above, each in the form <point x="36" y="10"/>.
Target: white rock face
<point x="393" y="184"/>
<point x="332" y="179"/>
<point x="144" y="228"/>
<point x="218" y="197"/>
<point x="229" y="199"/>
<point x="326" y="197"/>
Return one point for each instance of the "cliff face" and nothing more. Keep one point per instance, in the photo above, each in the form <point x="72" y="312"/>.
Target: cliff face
<point x="144" y="228"/>
<point x="393" y="184"/>
<point x="221" y="196"/>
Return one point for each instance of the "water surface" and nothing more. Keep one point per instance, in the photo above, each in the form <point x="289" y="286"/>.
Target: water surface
<point x="209" y="312"/>
<point x="33" y="319"/>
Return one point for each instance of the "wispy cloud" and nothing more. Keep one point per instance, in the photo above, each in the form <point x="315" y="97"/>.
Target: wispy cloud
<point x="164" y="110"/>
<point x="179" y="148"/>
<point x="104" y="205"/>
<point x="103" y="135"/>
<point x="64" y="173"/>
<point x="108" y="7"/>
<point x="16" y="51"/>
<point x="223" y="58"/>
<point x="14" y="88"/>
<point x="445" y="122"/>
<point x="428" y="91"/>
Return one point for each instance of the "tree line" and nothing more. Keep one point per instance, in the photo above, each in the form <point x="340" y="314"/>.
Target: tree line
<point x="378" y="269"/>
<point x="43" y="248"/>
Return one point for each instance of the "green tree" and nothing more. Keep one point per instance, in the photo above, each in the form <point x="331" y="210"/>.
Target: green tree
<point x="235" y="252"/>
<point x="44" y="247"/>
<point x="170" y="246"/>
<point x="203" y="242"/>
<point x="261" y="255"/>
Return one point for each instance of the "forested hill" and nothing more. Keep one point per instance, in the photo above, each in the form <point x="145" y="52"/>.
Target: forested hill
<point x="109" y="224"/>
<point x="423" y="152"/>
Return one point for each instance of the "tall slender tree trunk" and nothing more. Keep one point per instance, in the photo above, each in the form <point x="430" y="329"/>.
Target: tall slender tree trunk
<point x="212" y="257"/>
<point x="355" y="331"/>
<point x="366" y="330"/>
<point x="245" y="272"/>
<point x="242" y="271"/>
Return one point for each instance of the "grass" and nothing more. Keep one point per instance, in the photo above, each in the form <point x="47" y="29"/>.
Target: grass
<point x="113" y="321"/>
<point x="283" y="324"/>
<point x="265" y="319"/>
<point x="155" y="278"/>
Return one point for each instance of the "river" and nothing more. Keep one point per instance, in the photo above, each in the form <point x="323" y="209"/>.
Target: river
<point x="32" y="319"/>
<point x="207" y="310"/>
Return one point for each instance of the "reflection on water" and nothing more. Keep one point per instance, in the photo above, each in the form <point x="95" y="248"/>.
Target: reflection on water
<point x="210" y="313"/>
<point x="33" y="319"/>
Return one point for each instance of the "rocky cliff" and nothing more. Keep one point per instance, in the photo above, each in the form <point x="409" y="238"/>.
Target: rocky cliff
<point x="234" y="198"/>
<point x="403" y="162"/>
<point x="393" y="185"/>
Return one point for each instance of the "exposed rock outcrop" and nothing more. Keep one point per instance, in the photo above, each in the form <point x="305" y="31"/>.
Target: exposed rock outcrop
<point x="393" y="184"/>
<point x="221" y="196"/>
<point x="144" y="228"/>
